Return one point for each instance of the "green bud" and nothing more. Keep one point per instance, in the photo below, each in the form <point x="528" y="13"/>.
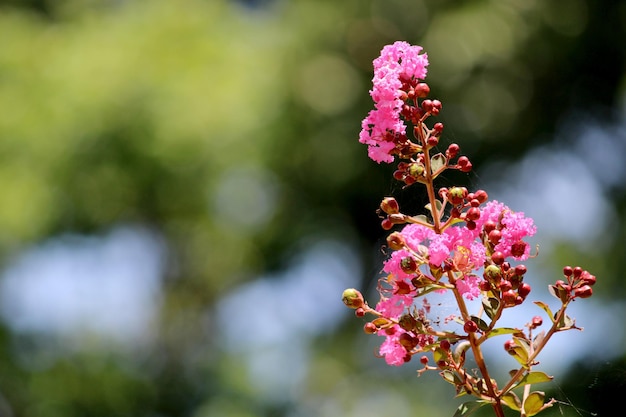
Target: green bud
<point x="492" y="273"/>
<point x="352" y="298"/>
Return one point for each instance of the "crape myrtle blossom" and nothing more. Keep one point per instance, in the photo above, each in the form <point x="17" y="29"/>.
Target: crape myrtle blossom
<point x="464" y="245"/>
<point x="397" y="63"/>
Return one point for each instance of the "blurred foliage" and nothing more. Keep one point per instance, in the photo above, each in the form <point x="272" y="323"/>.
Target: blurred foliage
<point x="230" y="128"/>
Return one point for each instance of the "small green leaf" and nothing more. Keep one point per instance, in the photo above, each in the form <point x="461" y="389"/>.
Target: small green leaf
<point x="545" y="308"/>
<point x="437" y="162"/>
<point x="503" y="330"/>
<point x="420" y="218"/>
<point x="538" y="339"/>
<point x="491" y="306"/>
<point x="449" y="376"/>
<point x="534" y="403"/>
<point x="565" y="322"/>
<point x="535" y="378"/>
<point x="468" y="408"/>
<point x="521" y="351"/>
<point x="511" y="400"/>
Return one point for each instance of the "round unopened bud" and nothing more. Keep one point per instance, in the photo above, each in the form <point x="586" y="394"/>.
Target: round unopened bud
<point x="588" y="279"/>
<point x="473" y="214"/>
<point x="370" y="328"/>
<point x="481" y="196"/>
<point x="445" y="344"/>
<point x="505" y="285"/>
<point x="509" y="298"/>
<point x="470" y="326"/>
<point x="523" y="290"/>
<point x="452" y="150"/>
<point x="390" y="206"/>
<point x="536" y="322"/>
<point x="422" y="90"/>
<point x="568" y="271"/>
<point x="352" y="298"/>
<point x="456" y="195"/>
<point x="492" y="273"/>
<point x="520" y="270"/>
<point x="494" y="236"/>
<point x="497" y="258"/>
<point x="583" y="292"/>
<point x="489" y="226"/>
<point x="509" y="345"/>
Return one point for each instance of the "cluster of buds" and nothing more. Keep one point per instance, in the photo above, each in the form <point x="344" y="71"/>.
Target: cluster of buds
<point x="465" y="244"/>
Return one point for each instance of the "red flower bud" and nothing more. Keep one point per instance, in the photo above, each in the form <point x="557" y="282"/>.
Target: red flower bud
<point x="470" y="326"/>
<point x="583" y="292"/>
<point x="523" y="290"/>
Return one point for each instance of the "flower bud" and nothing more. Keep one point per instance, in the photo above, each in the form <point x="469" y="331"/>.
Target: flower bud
<point x="509" y="345"/>
<point x="583" y="292"/>
<point x="390" y="206"/>
<point x="456" y="195"/>
<point x="588" y="279"/>
<point x="422" y="90"/>
<point x="396" y="241"/>
<point x="492" y="273"/>
<point x="495" y="236"/>
<point x="536" y="322"/>
<point x="497" y="258"/>
<point x="452" y="150"/>
<point x="370" y="328"/>
<point x="523" y="290"/>
<point x="470" y="326"/>
<point x="473" y="214"/>
<point x="352" y="298"/>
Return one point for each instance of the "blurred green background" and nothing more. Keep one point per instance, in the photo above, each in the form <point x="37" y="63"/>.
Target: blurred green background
<point x="184" y="197"/>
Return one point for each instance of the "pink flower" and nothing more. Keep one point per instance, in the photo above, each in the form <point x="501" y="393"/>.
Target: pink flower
<point x="394" y="305"/>
<point x="514" y="227"/>
<point x="468" y="286"/>
<point x="394" y="353"/>
<point x="397" y="62"/>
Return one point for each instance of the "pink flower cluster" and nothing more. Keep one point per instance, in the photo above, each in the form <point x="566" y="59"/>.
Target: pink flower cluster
<point x="396" y="64"/>
<point x="457" y="247"/>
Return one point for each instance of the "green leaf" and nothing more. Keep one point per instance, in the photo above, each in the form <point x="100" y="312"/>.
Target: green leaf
<point x="534" y="403"/>
<point x="420" y="218"/>
<point x="437" y="162"/>
<point x="503" y="330"/>
<point x="438" y="206"/>
<point x="491" y="306"/>
<point x="468" y="408"/>
<point x="521" y="351"/>
<point x="480" y="323"/>
<point x="565" y="322"/>
<point x="535" y="378"/>
<point x="511" y="400"/>
<point x="546" y="309"/>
